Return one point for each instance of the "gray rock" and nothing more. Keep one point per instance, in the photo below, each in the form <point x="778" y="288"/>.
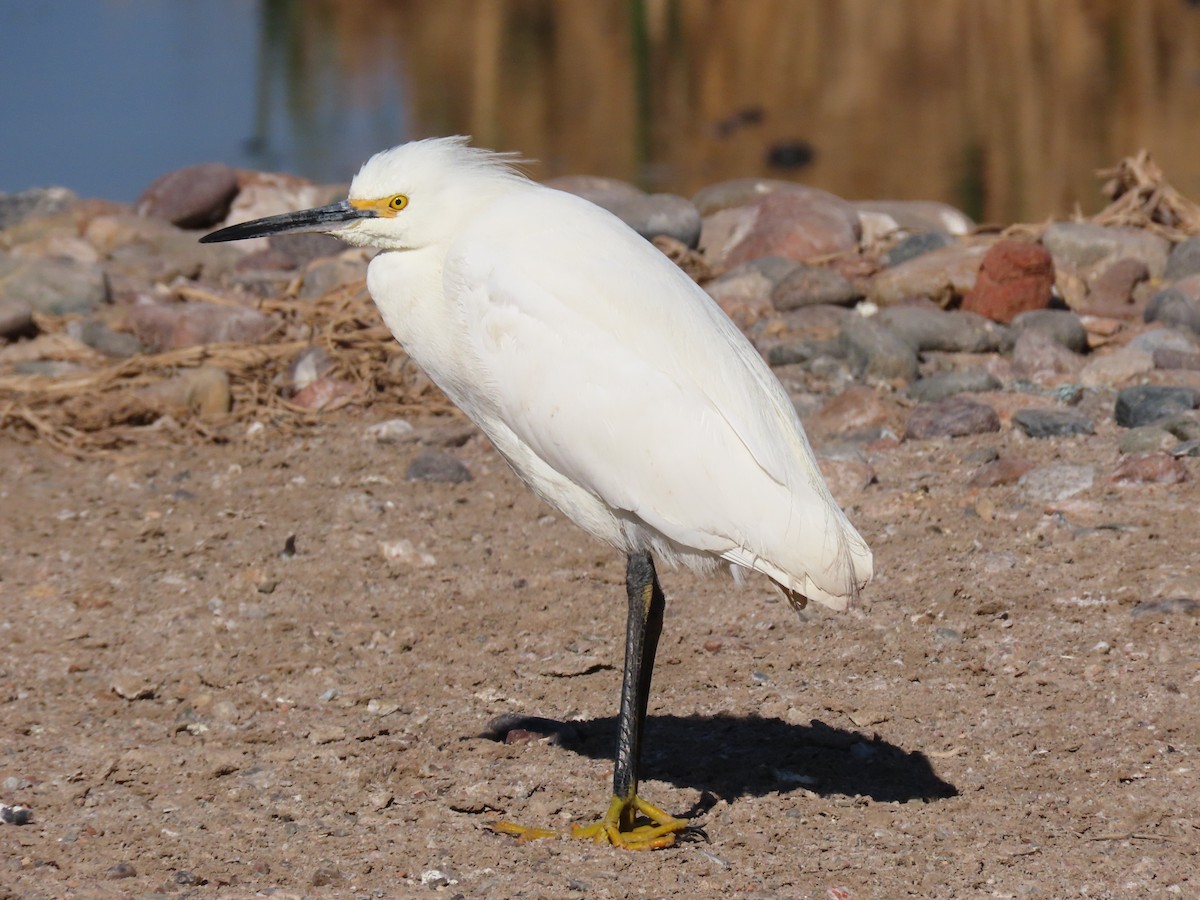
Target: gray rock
<point x="1085" y="245"/>
<point x="940" y="275"/>
<point x="1174" y="309"/>
<point x="1041" y="423"/>
<point x="1186" y="448"/>
<point x="16" y="319"/>
<point x="1117" y="367"/>
<point x="947" y="384"/>
<point x="301" y="249"/>
<point x="876" y="351"/>
<point x="170" y="326"/>
<point x="1057" y="482"/>
<point x="53" y="286"/>
<point x="927" y="329"/>
<point x="736" y="192"/>
<point x="1060" y="325"/>
<point x="953" y="417"/>
<point x="433" y="465"/>
<point x="329" y="273"/>
<point x="788" y="354"/>
<point x="928" y="216"/>
<point x="1185" y="426"/>
<point x="656" y="215"/>
<point x="193" y="197"/>
<point x="118" y="344"/>
<point x="916" y="245"/>
<point x="1164" y="339"/>
<point x="1112" y="286"/>
<point x="1147" y="404"/>
<point x="1167" y="358"/>
<point x="1146" y="439"/>
<point x="811" y="285"/>
<point x="14" y="208"/>
<point x="1035" y="356"/>
<point x="1184" y="259"/>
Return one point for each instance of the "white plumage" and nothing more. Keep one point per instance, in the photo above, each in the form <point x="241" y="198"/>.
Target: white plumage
<point x="616" y="388"/>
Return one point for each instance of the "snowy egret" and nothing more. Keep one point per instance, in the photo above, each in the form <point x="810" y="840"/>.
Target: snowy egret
<point x="614" y="386"/>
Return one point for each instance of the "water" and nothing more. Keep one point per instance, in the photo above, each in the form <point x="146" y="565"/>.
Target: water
<point x="1003" y="109"/>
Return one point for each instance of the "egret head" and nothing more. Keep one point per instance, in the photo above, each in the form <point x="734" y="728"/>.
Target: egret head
<point x="411" y="196"/>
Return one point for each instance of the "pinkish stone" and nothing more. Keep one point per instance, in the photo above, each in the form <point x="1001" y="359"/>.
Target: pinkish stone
<point x="1015" y="277"/>
<point x="193" y="197"/>
<point x="171" y="326"/>
<point x="799" y="223"/>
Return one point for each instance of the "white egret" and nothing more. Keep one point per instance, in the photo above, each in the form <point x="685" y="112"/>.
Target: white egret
<point x="614" y="386"/>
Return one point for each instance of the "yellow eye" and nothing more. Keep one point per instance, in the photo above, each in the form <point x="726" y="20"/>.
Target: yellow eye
<point x="398" y="202"/>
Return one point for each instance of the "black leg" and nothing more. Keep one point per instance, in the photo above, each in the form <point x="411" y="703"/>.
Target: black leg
<point x="643" y="627"/>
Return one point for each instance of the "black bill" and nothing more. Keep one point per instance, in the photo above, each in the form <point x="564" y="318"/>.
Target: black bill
<point x="323" y="218"/>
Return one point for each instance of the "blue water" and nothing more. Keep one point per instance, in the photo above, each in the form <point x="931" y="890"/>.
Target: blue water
<point x="104" y="95"/>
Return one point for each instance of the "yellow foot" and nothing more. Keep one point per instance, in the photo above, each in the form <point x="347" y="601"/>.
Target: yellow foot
<point x="619" y="828"/>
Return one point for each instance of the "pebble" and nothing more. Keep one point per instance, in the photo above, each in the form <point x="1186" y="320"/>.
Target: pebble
<point x="1044" y="423"/>
<point x="1113" y="289"/>
<point x="876" y="352"/>
<point x="1038" y="357"/>
<point x="1118" y="367"/>
<point x="34" y="203"/>
<point x="1014" y="277"/>
<point x="939" y="275"/>
<point x="1057" y="482"/>
<point x="171" y="326"/>
<point x="1185" y="426"/>
<point x="916" y="245"/>
<point x="1146" y="439"/>
<point x="857" y="413"/>
<point x="193" y="197"/>
<point x="121" y="870"/>
<point x="953" y="417"/>
<point x="1167" y="358"/>
<point x="926" y="328"/>
<point x="329" y="273"/>
<point x="392" y="431"/>
<point x="736" y="192"/>
<point x="404" y="552"/>
<point x="97" y="335"/>
<point x="1005" y="470"/>
<point x="1149" y="468"/>
<point x="920" y="216"/>
<point x="800" y="223"/>
<point x="16" y="319"/>
<point x="52" y="286"/>
<point x="1060" y="325"/>
<point x="323" y="393"/>
<point x="808" y="285"/>
<point x="1184" y="259"/>
<point x="1150" y="403"/>
<point x="1088" y="247"/>
<point x="1164" y="339"/>
<point x="433" y="465"/>
<point x="946" y="384"/>
<point x="1174" y="309"/>
<point x="744" y="292"/>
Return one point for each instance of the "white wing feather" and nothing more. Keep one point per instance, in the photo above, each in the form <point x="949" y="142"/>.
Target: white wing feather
<point x="627" y="381"/>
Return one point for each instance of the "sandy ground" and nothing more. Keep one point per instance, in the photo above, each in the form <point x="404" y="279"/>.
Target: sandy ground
<point x="190" y="710"/>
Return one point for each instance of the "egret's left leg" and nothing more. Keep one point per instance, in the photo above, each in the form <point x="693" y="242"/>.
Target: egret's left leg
<point x="620" y="824"/>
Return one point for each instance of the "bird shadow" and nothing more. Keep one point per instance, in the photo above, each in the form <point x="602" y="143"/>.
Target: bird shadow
<point x="730" y="756"/>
